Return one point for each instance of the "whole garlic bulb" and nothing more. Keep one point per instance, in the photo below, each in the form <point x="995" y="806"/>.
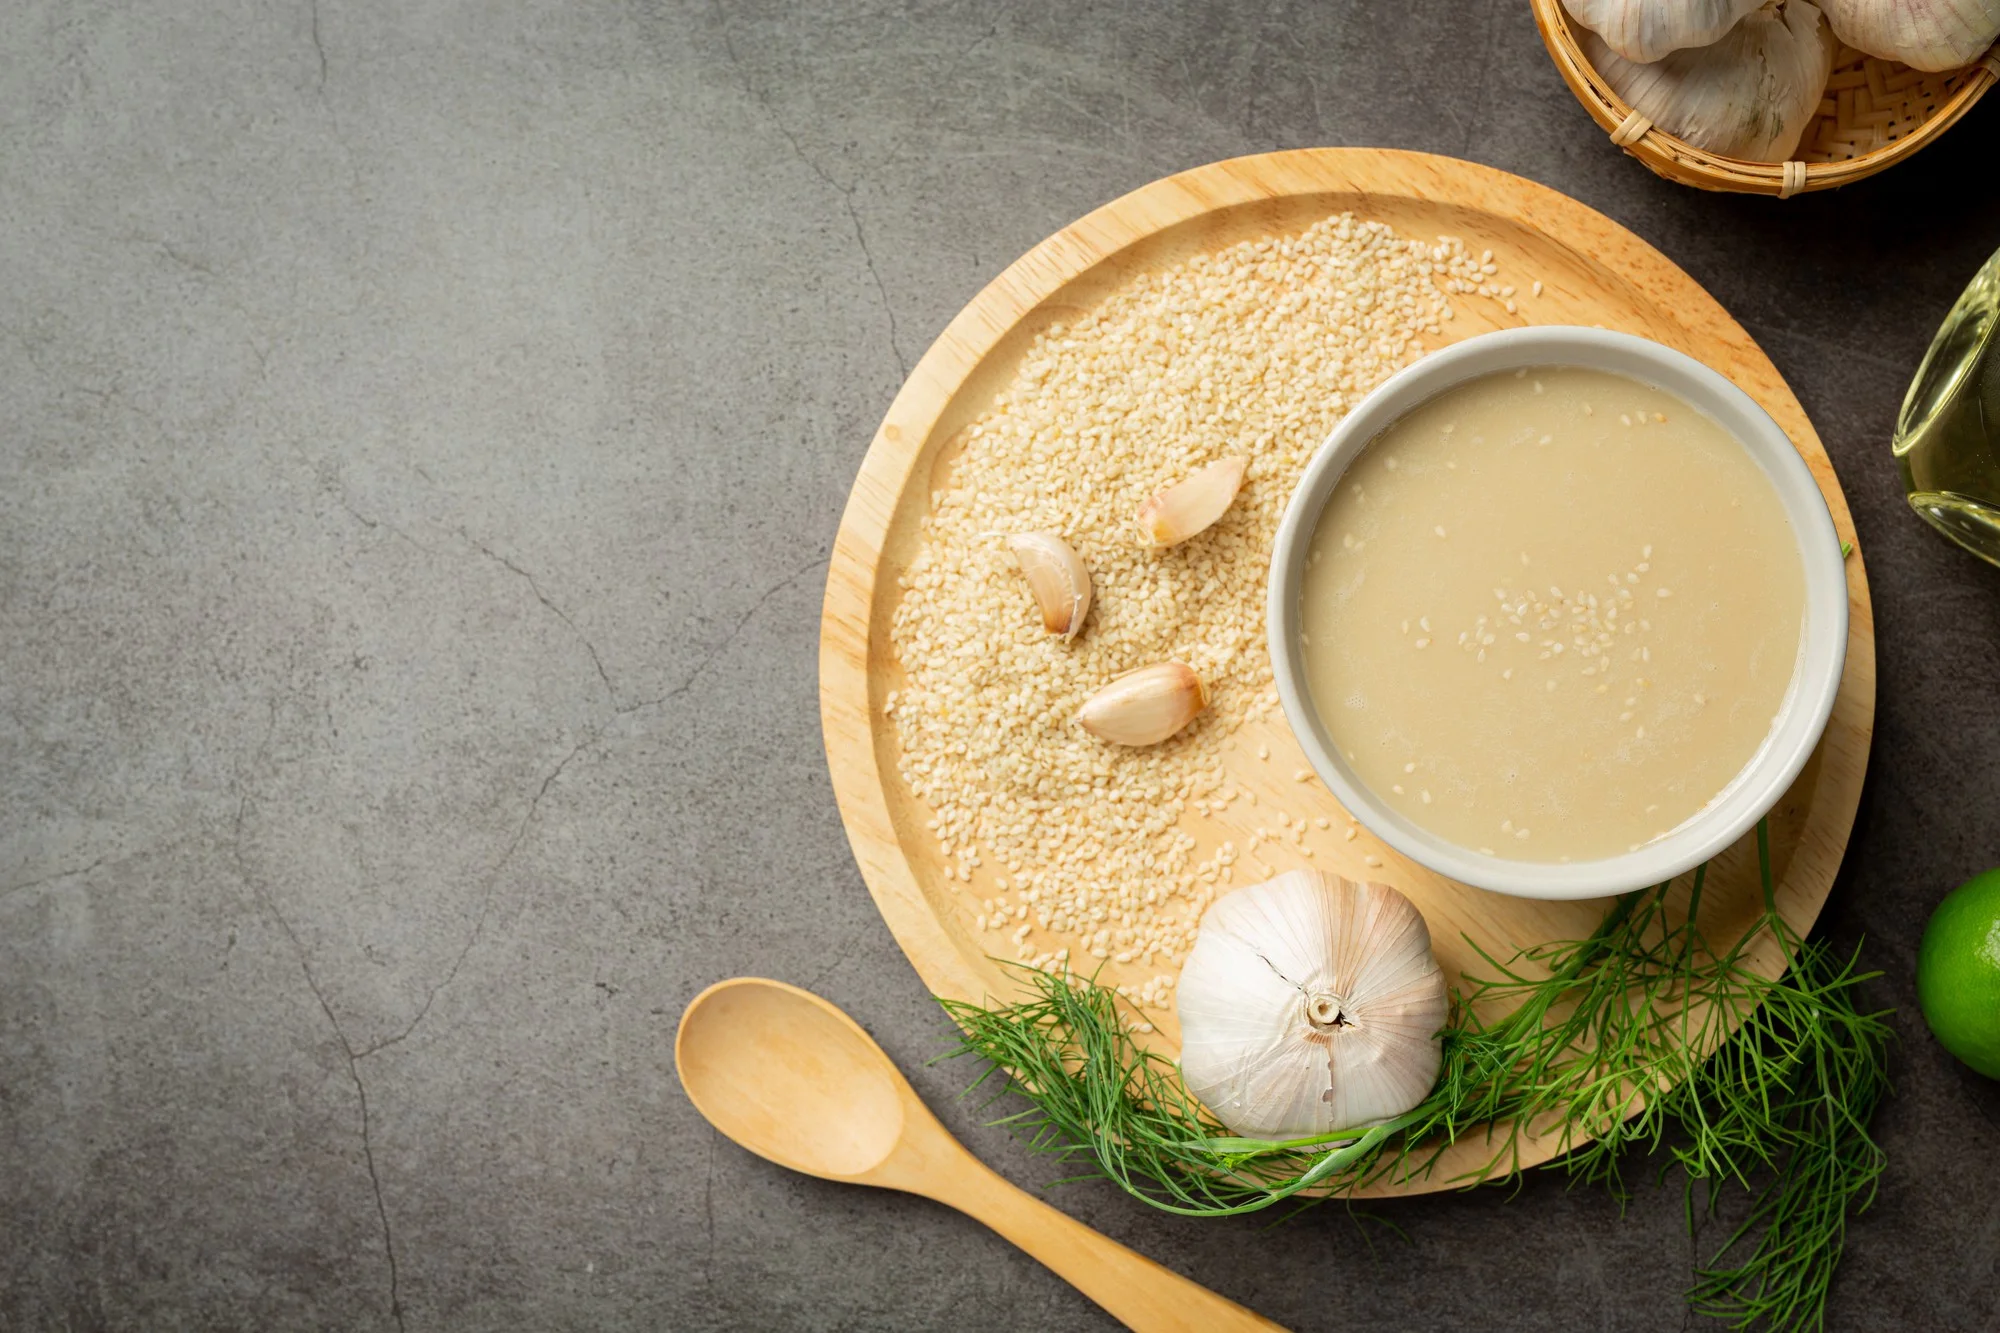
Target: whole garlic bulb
<point x="1750" y="95"/>
<point x="1924" y="34"/>
<point x="1310" y="1003"/>
<point x="1646" y="30"/>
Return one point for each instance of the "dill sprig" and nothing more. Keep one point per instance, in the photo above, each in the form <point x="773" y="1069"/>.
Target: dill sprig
<point x="1640" y="1036"/>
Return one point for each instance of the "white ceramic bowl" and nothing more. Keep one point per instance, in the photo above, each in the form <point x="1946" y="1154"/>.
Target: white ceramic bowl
<point x="1807" y="704"/>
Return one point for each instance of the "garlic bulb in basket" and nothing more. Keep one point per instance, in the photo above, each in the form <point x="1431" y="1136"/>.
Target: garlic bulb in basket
<point x="1646" y="30"/>
<point x="1310" y="1003"/>
<point x="1750" y="95"/>
<point x="1923" y="34"/>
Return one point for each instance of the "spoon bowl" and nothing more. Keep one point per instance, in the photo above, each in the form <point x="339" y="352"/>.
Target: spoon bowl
<point x="796" y="1081"/>
<point x="835" y="1078"/>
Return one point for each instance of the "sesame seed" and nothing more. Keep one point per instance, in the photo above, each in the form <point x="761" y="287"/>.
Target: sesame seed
<point x="1350" y="835"/>
<point x="1488" y="851"/>
<point x="1397" y="788"/>
<point x="1371" y="860"/>
<point x="1263" y="752"/>
<point x="1520" y="833"/>
<point x="1410" y="767"/>
<point x="1094" y="832"/>
<point x="1536" y="289"/>
<point x="1439" y="530"/>
<point x="1423" y="643"/>
<point x="1664" y="592"/>
<point x="1424" y="623"/>
<point x="1625" y="417"/>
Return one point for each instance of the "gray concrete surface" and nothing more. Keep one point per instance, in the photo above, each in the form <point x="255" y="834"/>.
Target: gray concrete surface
<point x="424" y="425"/>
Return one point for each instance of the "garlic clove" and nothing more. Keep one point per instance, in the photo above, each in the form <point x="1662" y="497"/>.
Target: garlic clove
<point x="1643" y="31"/>
<point x="1057" y="577"/>
<point x="1930" y="35"/>
<point x="1146" y="706"/>
<point x="1308" y="1004"/>
<point x="1192" y="504"/>
<point x="1750" y="95"/>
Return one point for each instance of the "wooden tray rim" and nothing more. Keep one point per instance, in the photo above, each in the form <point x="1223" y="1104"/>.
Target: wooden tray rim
<point x="847" y="709"/>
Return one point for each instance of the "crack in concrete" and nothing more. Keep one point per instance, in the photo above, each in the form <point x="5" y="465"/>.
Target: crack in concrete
<point x="13" y="889"/>
<point x="193" y="265"/>
<point x="709" y="658"/>
<point x="846" y="193"/>
<point x="336" y="492"/>
<point x="546" y="601"/>
<point x="256" y="887"/>
<point x="319" y="49"/>
<point x="353" y="1055"/>
<point x="375" y="1180"/>
<point x="708" y="1217"/>
<point x="485" y="904"/>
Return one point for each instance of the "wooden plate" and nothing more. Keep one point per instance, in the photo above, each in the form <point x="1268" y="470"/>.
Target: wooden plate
<point x="1592" y="272"/>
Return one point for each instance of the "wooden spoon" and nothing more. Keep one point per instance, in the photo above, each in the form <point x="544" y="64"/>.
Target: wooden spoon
<point x="796" y="1081"/>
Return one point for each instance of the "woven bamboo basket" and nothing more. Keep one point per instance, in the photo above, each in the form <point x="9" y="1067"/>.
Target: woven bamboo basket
<point x="1875" y="113"/>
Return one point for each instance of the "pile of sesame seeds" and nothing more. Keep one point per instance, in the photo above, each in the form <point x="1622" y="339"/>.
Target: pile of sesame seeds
<point x="1073" y="846"/>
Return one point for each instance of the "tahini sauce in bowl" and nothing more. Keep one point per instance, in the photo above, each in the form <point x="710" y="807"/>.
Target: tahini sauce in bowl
<point x="1557" y="612"/>
<point x="1551" y="613"/>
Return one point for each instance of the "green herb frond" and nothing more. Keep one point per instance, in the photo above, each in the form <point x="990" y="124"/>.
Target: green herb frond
<point x="1640" y="1036"/>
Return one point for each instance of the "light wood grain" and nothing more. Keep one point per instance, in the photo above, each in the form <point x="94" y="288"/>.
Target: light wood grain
<point x="1593" y="272"/>
<point x="796" y="1081"/>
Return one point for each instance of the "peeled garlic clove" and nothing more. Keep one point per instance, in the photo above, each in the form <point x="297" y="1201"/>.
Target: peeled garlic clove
<point x="1646" y="30"/>
<point x="1058" y="579"/>
<point x="1146" y="706"/>
<point x="1185" y="508"/>
<point x="1924" y="34"/>
<point x="1750" y="95"/>
<point x="1308" y="1004"/>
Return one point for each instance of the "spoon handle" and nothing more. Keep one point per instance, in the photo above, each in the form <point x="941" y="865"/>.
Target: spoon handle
<point x="1135" y="1291"/>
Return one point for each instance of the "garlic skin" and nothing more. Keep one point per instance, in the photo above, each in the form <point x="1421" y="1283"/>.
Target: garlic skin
<point x="1750" y="95"/>
<point x="1930" y="35"/>
<point x="1146" y="706"/>
<point x="1643" y="31"/>
<point x="1308" y="1004"/>
<point x="1057" y="577"/>
<point x="1193" y="504"/>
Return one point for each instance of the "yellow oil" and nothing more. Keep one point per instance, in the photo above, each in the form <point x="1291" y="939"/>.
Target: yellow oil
<point x="1948" y="436"/>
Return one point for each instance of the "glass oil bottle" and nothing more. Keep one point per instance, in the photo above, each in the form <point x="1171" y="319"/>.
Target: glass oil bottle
<point x="1948" y="436"/>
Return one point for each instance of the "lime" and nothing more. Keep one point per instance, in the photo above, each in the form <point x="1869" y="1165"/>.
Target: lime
<point x="1958" y="973"/>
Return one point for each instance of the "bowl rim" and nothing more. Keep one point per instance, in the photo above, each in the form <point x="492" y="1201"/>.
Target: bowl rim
<point x="1808" y="702"/>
